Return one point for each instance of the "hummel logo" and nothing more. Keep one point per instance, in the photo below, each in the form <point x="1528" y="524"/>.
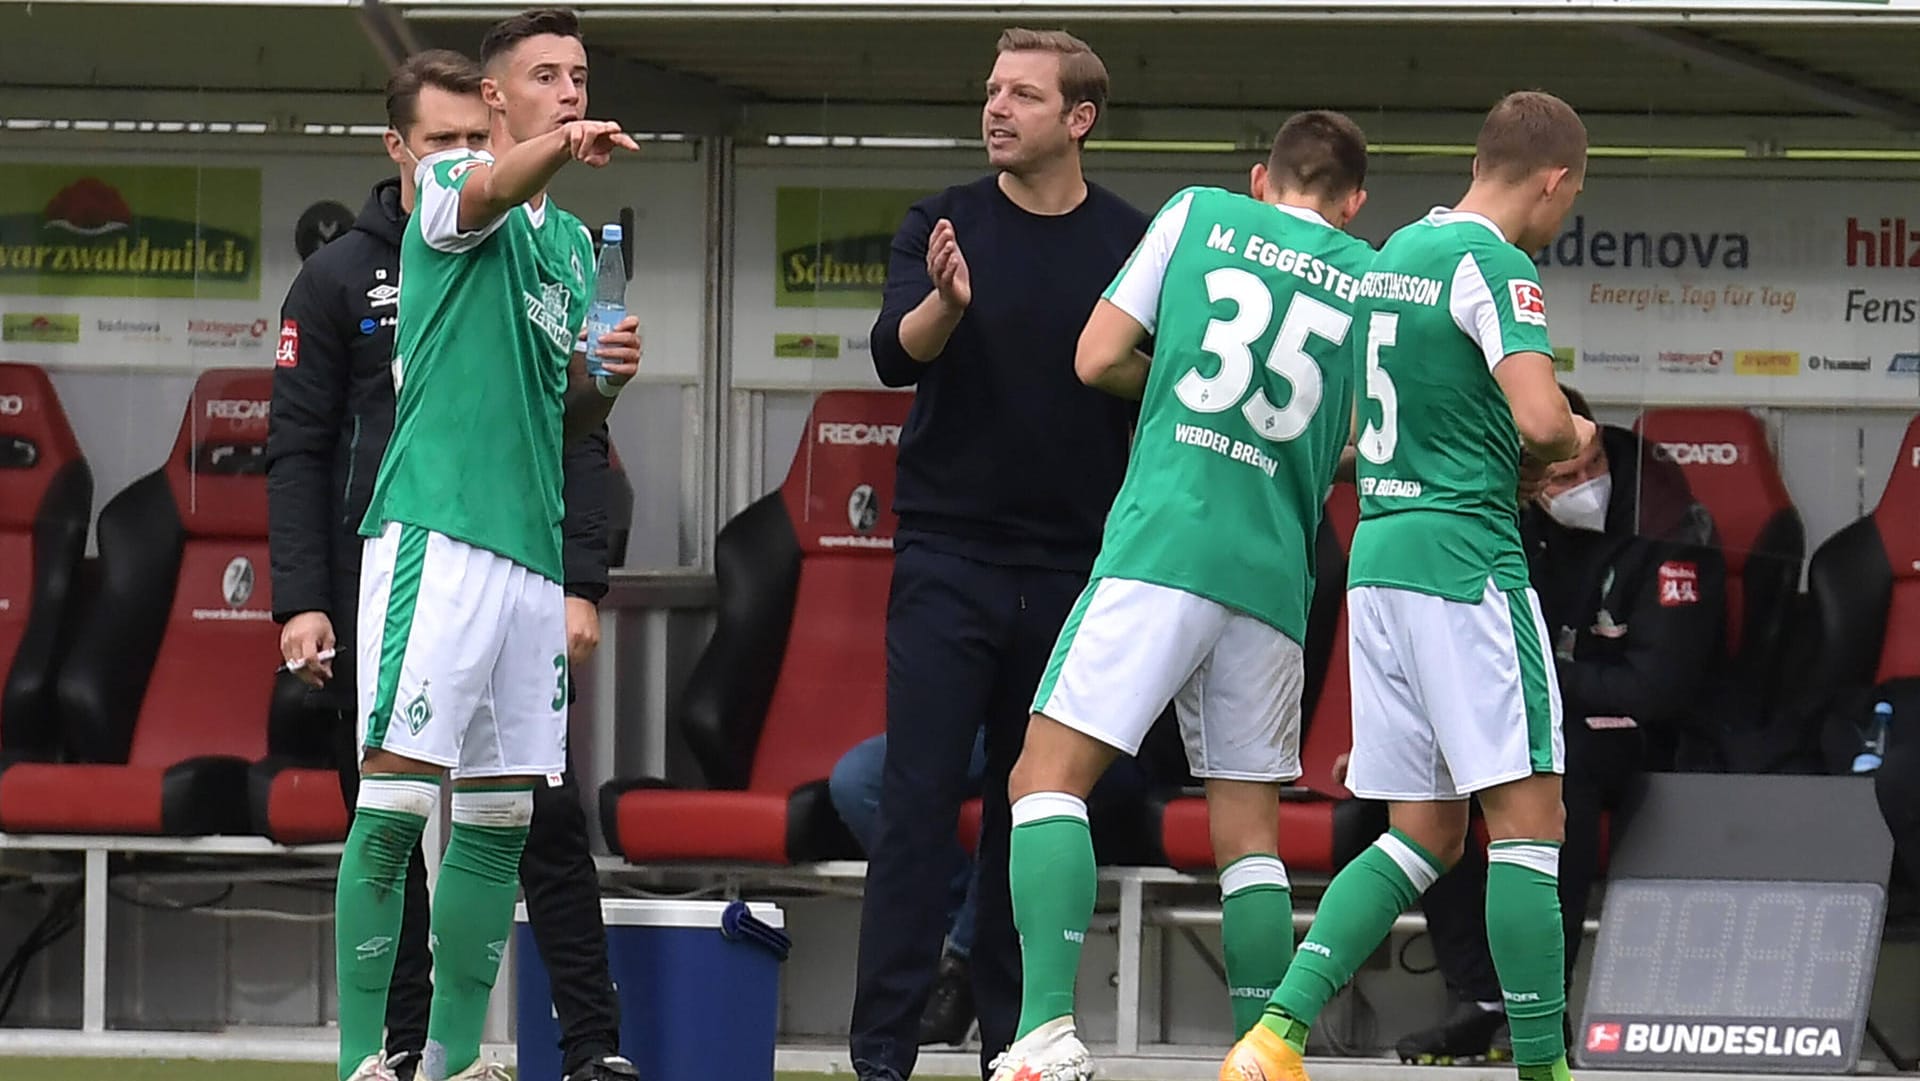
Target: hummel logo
<point x="497" y="950"/>
<point x="372" y="948"/>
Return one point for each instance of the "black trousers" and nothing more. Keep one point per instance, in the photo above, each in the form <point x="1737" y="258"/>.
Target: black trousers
<point x="562" y="890"/>
<point x="966" y="644"/>
<point x="1601" y="769"/>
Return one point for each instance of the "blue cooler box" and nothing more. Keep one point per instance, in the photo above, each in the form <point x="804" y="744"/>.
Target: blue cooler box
<point x="699" y="986"/>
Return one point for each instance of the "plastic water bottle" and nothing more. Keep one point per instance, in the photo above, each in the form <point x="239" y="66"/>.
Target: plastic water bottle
<point x="609" y="297"/>
<point x="1876" y="742"/>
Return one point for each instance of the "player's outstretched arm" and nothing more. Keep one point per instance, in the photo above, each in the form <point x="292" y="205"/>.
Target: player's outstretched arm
<point x="1547" y="425"/>
<point x="525" y="171"/>
<point x="1108" y="357"/>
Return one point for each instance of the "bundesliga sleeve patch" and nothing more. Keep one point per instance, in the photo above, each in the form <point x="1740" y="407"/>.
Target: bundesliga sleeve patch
<point x="286" y="354"/>
<point x="1679" y="584"/>
<point x="1529" y="303"/>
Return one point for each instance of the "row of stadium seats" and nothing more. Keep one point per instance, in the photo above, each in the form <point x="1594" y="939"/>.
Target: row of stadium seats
<point x="795" y="672"/>
<point x="140" y="695"/>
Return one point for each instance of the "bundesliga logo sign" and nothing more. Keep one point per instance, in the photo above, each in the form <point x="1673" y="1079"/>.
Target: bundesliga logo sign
<point x="1771" y="1041"/>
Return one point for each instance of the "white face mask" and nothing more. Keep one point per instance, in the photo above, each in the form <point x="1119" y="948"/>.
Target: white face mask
<point x="1583" y="506"/>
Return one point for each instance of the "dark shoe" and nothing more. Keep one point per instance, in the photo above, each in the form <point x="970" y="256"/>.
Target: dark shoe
<point x="1468" y="1034"/>
<point x="949" y="1013"/>
<point x="606" y="1068"/>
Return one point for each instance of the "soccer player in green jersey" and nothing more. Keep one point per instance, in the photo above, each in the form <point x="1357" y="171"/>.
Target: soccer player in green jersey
<point x="1200" y="591"/>
<point x="1454" y="691"/>
<point x="462" y="621"/>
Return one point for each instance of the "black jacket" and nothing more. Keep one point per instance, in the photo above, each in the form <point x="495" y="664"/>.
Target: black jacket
<point x="333" y="403"/>
<point x="1638" y="611"/>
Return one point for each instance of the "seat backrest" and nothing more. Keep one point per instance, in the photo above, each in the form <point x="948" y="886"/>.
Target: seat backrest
<point x="1897" y="519"/>
<point x="1731" y="470"/>
<point x="177" y="655"/>
<point x="213" y="679"/>
<point x="46" y="499"/>
<point x="831" y="689"/>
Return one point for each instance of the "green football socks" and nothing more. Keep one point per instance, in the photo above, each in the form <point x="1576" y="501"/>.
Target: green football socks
<point x="472" y="915"/>
<point x="1353" y="918"/>
<point x="1256" y="933"/>
<point x="369" y="900"/>
<point x="1529" y="950"/>
<point x="1054" y="882"/>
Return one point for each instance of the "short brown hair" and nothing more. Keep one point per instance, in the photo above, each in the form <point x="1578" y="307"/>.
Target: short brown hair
<point x="1527" y="131"/>
<point x="444" y="68"/>
<point x="1319" y="152"/>
<point x="1577" y="402"/>
<point x="513" y="30"/>
<point x="1083" y="77"/>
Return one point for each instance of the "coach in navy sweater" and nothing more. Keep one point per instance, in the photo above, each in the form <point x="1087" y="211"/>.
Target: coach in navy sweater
<point x="1008" y="465"/>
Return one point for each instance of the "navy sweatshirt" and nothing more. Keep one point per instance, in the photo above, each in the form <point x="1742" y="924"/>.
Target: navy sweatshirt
<point x="1006" y="456"/>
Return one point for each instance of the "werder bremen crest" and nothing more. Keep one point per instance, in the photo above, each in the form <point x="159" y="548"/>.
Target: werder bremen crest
<point x="548" y="311"/>
<point x="418" y="712"/>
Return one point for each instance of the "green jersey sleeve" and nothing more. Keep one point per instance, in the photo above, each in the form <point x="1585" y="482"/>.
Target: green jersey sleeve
<point x="1136" y="289"/>
<point x="1498" y="303"/>
<point x="439" y="178"/>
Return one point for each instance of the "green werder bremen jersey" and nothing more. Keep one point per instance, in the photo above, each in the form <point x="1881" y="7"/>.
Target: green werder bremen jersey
<point x="1247" y="403"/>
<point x="1447" y="300"/>
<point x="487" y="325"/>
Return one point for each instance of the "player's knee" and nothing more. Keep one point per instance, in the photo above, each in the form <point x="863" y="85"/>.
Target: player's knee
<point x="1056" y="758"/>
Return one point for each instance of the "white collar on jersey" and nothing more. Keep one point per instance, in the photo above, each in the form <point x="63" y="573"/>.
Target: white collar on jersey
<point x="1444" y="215"/>
<point x="1310" y="216"/>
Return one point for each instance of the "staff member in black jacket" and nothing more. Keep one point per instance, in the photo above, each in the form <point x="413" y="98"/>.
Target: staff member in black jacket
<point x="1007" y="467"/>
<point x="1633" y="587"/>
<point x="333" y="403"/>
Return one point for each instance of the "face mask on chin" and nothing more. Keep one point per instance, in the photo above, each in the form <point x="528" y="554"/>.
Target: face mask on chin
<point x="1583" y="506"/>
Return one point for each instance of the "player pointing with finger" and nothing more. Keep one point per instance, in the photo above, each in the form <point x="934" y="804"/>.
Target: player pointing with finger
<point x="462" y="627"/>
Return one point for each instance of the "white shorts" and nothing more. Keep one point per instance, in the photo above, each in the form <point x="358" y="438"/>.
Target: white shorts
<point x="1128" y="648"/>
<point x="1449" y="698"/>
<point x="462" y="657"/>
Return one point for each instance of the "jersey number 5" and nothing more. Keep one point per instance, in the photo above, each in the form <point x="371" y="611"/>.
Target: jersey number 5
<point x="1231" y="341"/>
<point x="1377" y="441"/>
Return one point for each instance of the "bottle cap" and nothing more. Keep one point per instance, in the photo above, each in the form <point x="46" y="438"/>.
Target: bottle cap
<point x="611" y="234"/>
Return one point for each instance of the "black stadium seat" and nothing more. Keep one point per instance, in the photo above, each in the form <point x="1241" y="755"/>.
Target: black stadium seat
<point x="166" y="694"/>
<point x="795" y="673"/>
<point x="46" y="500"/>
<point x="1863" y="588"/>
<point x="1731" y="470"/>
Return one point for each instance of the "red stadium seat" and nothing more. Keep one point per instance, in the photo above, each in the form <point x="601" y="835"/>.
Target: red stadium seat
<point x="1863" y="587"/>
<point x="46" y="501"/>
<point x="1320" y="826"/>
<point x="1731" y="470"/>
<point x="795" y="673"/>
<point x="167" y="692"/>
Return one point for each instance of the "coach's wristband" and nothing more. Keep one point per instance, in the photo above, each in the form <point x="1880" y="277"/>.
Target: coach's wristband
<point x="606" y="387"/>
